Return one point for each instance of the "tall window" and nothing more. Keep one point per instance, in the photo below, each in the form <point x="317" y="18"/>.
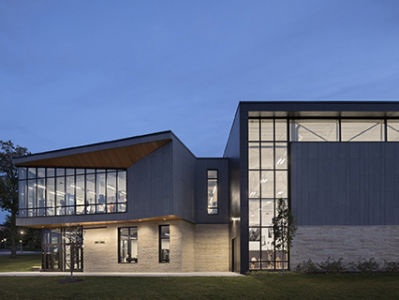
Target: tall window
<point x="267" y="182"/>
<point x="68" y="191"/>
<point x="164" y="243"/>
<point x="212" y="192"/>
<point x="128" y="245"/>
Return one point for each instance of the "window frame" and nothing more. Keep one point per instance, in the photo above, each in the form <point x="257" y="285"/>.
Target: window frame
<point x="208" y="179"/>
<point x="129" y="252"/>
<point x="53" y="175"/>
<point x="160" y="243"/>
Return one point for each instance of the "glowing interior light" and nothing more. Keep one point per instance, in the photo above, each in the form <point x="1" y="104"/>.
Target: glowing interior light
<point x="264" y="180"/>
<point x="110" y="187"/>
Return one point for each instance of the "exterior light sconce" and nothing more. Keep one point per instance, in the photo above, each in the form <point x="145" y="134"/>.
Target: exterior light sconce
<point x="235" y="219"/>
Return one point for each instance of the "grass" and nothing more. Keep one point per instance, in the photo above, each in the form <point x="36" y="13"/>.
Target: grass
<point x="349" y="286"/>
<point x="22" y="263"/>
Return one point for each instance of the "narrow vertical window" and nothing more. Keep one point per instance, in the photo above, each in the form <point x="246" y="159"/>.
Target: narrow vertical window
<point x="212" y="181"/>
<point x="128" y="245"/>
<point x="164" y="243"/>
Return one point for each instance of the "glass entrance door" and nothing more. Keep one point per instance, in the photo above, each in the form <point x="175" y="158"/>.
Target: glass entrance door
<point x="62" y="249"/>
<point x="51" y="258"/>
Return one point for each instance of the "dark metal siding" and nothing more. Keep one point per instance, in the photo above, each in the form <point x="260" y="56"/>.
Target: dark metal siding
<point x="345" y="183"/>
<point x="184" y="169"/>
<point x="150" y="185"/>
<point x="232" y="152"/>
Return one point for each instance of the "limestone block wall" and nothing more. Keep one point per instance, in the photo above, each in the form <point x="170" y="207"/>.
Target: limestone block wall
<point x="349" y="242"/>
<point x="211" y="248"/>
<point x="103" y="257"/>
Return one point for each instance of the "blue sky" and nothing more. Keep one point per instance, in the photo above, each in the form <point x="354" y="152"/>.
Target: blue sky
<point x="79" y="72"/>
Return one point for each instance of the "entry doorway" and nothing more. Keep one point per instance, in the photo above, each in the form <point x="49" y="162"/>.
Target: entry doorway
<point x="61" y="248"/>
<point x="51" y="258"/>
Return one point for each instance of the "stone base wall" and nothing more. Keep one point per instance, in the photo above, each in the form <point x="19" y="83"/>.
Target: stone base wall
<point x="349" y="242"/>
<point x="192" y="248"/>
<point x="211" y="248"/>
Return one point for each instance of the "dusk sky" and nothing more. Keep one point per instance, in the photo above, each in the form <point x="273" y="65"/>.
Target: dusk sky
<point x="80" y="72"/>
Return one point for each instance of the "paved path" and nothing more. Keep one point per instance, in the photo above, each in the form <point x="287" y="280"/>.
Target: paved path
<point x="8" y="252"/>
<point x="116" y="274"/>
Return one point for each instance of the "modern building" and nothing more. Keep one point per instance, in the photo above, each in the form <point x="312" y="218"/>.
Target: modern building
<point x="147" y="204"/>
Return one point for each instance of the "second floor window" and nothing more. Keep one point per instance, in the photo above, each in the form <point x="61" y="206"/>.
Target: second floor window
<point x="67" y="191"/>
<point x="212" y="182"/>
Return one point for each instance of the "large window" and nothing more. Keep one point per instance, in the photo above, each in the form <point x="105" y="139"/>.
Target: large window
<point x="314" y="130"/>
<point x="212" y="192"/>
<point x="68" y="191"/>
<point x="128" y="252"/>
<point x="267" y="182"/>
<point x="362" y="130"/>
<point x="164" y="244"/>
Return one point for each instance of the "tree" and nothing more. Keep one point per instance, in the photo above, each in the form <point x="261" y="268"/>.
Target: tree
<point x="73" y="245"/>
<point x="9" y="185"/>
<point x="284" y="228"/>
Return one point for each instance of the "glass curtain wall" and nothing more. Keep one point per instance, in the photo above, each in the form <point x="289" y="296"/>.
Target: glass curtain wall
<point x="268" y="182"/>
<point x="67" y="191"/>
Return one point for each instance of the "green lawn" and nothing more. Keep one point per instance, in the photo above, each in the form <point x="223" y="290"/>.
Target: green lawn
<point x="20" y="264"/>
<point x="354" y="286"/>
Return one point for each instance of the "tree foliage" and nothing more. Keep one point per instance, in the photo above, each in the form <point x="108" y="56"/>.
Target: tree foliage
<point x="9" y="185"/>
<point x="284" y="228"/>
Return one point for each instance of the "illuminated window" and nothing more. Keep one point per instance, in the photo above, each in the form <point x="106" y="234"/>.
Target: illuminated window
<point x="59" y="192"/>
<point x="128" y="252"/>
<point x="164" y="244"/>
<point x="212" y="192"/>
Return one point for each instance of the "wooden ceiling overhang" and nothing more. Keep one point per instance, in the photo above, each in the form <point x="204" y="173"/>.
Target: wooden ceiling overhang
<point x="113" y="157"/>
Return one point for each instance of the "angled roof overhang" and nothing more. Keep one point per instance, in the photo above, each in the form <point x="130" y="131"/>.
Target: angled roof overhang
<point x="115" y="154"/>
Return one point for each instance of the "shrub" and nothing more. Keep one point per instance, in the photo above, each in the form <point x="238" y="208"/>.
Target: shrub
<point x="391" y="266"/>
<point x="307" y="267"/>
<point x="367" y="266"/>
<point x="332" y="266"/>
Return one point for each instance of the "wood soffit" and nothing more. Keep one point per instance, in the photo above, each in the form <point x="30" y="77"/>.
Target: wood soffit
<point x="120" y="157"/>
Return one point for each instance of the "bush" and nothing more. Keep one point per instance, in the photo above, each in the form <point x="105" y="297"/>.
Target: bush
<point x="391" y="266"/>
<point x="367" y="266"/>
<point x="332" y="266"/>
<point x="307" y="267"/>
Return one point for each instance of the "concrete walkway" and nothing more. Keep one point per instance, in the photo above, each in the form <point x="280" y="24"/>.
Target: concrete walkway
<point x="119" y="274"/>
<point x="8" y="252"/>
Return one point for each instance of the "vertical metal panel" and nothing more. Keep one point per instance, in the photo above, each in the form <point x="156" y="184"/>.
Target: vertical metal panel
<point x="345" y="183"/>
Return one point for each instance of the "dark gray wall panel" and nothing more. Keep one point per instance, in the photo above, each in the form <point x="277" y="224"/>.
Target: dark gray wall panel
<point x="201" y="203"/>
<point x="150" y="185"/>
<point x="184" y="169"/>
<point x="232" y="152"/>
<point x="345" y="183"/>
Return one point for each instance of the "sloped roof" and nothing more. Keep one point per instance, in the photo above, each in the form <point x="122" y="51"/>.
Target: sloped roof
<point x="114" y="154"/>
